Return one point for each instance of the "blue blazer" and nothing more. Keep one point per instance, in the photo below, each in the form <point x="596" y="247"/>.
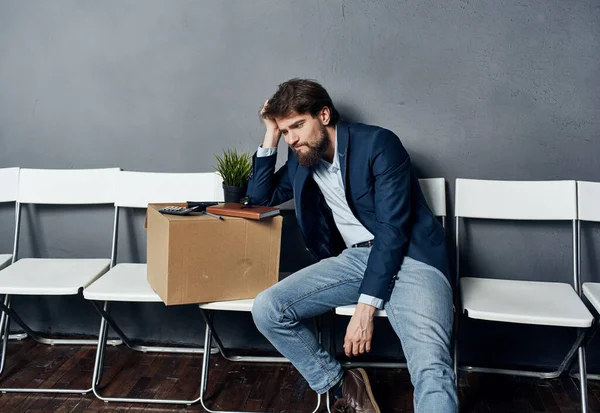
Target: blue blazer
<point x="382" y="191"/>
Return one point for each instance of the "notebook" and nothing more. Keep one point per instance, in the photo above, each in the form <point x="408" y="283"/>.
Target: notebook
<point x="230" y="209"/>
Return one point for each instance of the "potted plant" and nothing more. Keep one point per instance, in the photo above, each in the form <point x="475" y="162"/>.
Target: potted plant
<point x="235" y="170"/>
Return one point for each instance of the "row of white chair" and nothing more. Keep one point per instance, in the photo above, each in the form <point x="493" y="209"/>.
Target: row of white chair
<point x="106" y="281"/>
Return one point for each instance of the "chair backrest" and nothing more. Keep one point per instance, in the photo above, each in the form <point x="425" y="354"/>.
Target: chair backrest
<point x="434" y="190"/>
<point x="518" y="200"/>
<point x="67" y="186"/>
<point x="138" y="189"/>
<point x="588" y="201"/>
<point x="9" y="181"/>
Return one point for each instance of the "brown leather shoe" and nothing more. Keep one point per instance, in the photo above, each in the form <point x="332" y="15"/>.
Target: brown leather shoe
<point x="358" y="396"/>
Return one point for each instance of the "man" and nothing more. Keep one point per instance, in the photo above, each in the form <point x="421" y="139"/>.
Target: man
<point x="362" y="213"/>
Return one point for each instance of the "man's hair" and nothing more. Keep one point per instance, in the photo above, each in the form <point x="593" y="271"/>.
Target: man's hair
<point x="300" y="96"/>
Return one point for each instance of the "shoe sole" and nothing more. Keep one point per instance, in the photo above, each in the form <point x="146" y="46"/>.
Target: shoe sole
<point x="365" y="378"/>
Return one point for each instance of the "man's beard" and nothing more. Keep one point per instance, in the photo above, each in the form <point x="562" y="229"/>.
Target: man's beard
<point x="314" y="151"/>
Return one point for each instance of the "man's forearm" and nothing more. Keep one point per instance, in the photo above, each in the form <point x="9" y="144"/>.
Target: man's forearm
<point x="267" y="187"/>
<point x="365" y="310"/>
<point x="271" y="139"/>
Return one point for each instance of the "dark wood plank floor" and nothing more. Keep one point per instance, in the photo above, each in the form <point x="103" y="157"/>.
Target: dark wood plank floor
<point x="242" y="386"/>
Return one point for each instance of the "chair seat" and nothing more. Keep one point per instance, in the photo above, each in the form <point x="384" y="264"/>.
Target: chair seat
<point x="524" y="302"/>
<point x="349" y="311"/>
<point x="233" y="305"/>
<point x="124" y="282"/>
<point x="5" y="260"/>
<point x="592" y="292"/>
<point x="48" y="276"/>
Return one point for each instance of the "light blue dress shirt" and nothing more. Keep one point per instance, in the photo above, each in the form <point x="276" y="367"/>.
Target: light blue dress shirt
<point x="329" y="179"/>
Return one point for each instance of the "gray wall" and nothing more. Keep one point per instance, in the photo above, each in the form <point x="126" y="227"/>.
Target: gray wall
<point x="494" y="89"/>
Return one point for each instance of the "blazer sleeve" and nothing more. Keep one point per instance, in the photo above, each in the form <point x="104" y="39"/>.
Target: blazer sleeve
<point x="267" y="187"/>
<point x="392" y="199"/>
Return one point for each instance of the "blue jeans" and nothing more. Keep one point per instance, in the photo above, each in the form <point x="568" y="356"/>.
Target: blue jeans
<point x="419" y="310"/>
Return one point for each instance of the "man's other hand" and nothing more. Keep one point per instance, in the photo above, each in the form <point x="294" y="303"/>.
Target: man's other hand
<point x="360" y="331"/>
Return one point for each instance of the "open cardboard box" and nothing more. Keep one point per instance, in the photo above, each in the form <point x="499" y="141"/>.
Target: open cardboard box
<point x="198" y="258"/>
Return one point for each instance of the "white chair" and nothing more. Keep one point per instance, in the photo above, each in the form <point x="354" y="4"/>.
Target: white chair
<point x="588" y="205"/>
<point x="127" y="282"/>
<point x="47" y="276"/>
<point x="9" y="179"/>
<point x="515" y="301"/>
<point x="434" y="190"/>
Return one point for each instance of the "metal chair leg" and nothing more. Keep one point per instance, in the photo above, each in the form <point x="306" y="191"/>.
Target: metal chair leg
<point x="99" y="363"/>
<point x="208" y="337"/>
<point x="4" y="329"/>
<point x="6" y="307"/>
<point x="102" y="338"/>
<point x="236" y="358"/>
<point x="72" y="342"/>
<point x="583" y="379"/>
<point x="143" y="348"/>
<point x="455" y="333"/>
<point x="107" y="321"/>
<point x="564" y="365"/>
<point x="14" y="336"/>
<point x="589" y="337"/>
<point x="9" y="314"/>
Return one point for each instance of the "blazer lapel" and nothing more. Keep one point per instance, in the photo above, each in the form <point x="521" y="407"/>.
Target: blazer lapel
<point x="343" y="138"/>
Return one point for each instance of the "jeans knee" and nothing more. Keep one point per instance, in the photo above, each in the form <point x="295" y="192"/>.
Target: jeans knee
<point x="263" y="310"/>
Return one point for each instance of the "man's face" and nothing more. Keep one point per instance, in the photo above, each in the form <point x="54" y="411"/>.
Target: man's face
<point x="306" y="136"/>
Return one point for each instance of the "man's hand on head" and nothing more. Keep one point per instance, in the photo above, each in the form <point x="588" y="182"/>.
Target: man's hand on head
<point x="273" y="134"/>
<point x="360" y="331"/>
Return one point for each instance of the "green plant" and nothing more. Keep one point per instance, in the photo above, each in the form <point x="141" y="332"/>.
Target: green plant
<point x="234" y="168"/>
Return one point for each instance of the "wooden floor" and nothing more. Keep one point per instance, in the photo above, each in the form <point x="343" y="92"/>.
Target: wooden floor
<point x="242" y="386"/>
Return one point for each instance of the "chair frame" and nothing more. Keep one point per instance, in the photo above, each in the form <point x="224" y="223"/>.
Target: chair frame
<point x="577" y="349"/>
<point x="108" y="321"/>
<point x="8" y="313"/>
<point x="211" y="336"/>
<point x="587" y="376"/>
<point x="13" y="198"/>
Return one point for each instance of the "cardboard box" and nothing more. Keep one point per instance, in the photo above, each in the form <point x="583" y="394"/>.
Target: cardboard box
<point x="198" y="258"/>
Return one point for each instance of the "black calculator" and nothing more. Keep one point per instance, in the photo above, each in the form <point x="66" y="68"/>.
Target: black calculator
<point x="192" y="207"/>
<point x="178" y="210"/>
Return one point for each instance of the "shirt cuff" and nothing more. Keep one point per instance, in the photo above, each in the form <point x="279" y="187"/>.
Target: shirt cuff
<point x="264" y="152"/>
<point x="370" y="300"/>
